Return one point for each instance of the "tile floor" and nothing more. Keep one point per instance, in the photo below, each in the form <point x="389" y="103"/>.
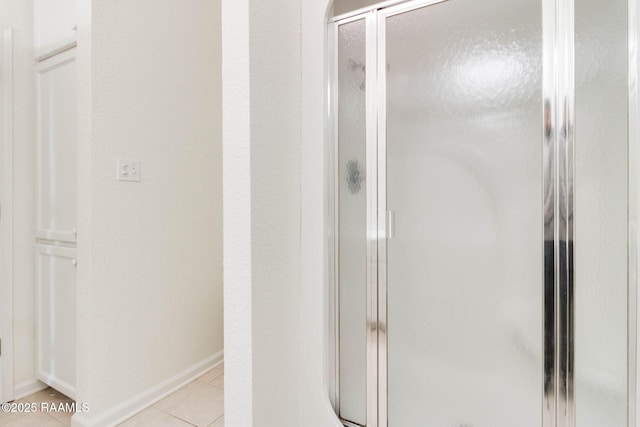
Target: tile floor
<point x="199" y="403"/>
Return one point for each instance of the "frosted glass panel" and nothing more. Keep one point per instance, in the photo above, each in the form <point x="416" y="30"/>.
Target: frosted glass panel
<point x="464" y="178"/>
<point x="601" y="214"/>
<point x="352" y="253"/>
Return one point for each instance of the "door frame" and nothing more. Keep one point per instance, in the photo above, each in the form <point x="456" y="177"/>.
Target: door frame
<point x="6" y="214"/>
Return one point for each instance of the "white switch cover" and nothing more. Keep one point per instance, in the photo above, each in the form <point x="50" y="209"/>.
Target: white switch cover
<point x="128" y="170"/>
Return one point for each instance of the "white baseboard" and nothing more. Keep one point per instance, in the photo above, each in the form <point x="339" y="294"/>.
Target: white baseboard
<point x="148" y="397"/>
<point x="27" y="388"/>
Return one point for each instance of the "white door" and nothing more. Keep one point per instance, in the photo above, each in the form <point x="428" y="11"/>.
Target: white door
<point x="56" y="222"/>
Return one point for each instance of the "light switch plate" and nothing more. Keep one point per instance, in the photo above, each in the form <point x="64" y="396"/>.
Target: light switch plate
<point x="128" y="170"/>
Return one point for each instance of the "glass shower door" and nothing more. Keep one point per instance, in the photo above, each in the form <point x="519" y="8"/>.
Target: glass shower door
<point x="479" y="146"/>
<point x="462" y="118"/>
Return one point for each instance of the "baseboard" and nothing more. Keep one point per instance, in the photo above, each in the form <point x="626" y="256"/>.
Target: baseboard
<point x="148" y="397"/>
<point x="27" y="388"/>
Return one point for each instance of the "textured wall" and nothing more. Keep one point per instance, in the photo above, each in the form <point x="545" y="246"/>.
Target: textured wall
<point x="275" y="208"/>
<point x="150" y="253"/>
<point x="275" y="301"/>
<point x="261" y="51"/>
<point x="237" y="213"/>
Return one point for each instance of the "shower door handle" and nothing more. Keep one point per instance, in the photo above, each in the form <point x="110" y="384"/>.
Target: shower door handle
<point x="391" y="224"/>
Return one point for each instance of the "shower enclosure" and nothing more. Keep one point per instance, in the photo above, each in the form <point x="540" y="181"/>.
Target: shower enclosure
<point x="484" y="203"/>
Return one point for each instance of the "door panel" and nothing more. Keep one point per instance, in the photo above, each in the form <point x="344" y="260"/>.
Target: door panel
<point x="464" y="173"/>
<point x="56" y="149"/>
<point x="56" y="317"/>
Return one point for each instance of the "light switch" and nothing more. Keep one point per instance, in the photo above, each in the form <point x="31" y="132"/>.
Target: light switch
<point x="128" y="170"/>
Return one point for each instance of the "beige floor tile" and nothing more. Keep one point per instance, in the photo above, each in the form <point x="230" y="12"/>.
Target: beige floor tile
<point x="200" y="409"/>
<point x="63" y="417"/>
<point x="166" y="420"/>
<point x="44" y="396"/>
<point x="8" y="417"/>
<point x="53" y="397"/>
<point x="48" y="395"/>
<point x="199" y="403"/>
<point x="32" y="420"/>
<point x="218" y="382"/>
<point x="143" y="418"/>
<point x="178" y="395"/>
<point x="152" y="417"/>
<point x="213" y="374"/>
<point x="218" y="423"/>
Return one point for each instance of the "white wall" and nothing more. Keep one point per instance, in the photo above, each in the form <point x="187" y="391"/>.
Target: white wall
<point x="344" y="6"/>
<point x="261" y="57"/>
<point x="18" y="15"/>
<point x="236" y="136"/>
<point x="149" y="253"/>
<point x="275" y="293"/>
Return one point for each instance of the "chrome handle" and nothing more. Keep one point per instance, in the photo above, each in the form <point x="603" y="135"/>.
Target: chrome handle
<point x="391" y="224"/>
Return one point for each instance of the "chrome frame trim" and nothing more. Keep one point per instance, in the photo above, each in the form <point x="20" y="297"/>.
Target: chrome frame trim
<point x="372" y="221"/>
<point x="548" y="212"/>
<point x="353" y="17"/>
<point x="558" y="212"/>
<point x="632" y="220"/>
<point x="564" y="211"/>
<point x="332" y="155"/>
<point x="382" y="223"/>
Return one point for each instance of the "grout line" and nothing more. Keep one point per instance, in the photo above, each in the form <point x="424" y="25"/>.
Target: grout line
<point x="216" y="420"/>
<point x="178" y="418"/>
